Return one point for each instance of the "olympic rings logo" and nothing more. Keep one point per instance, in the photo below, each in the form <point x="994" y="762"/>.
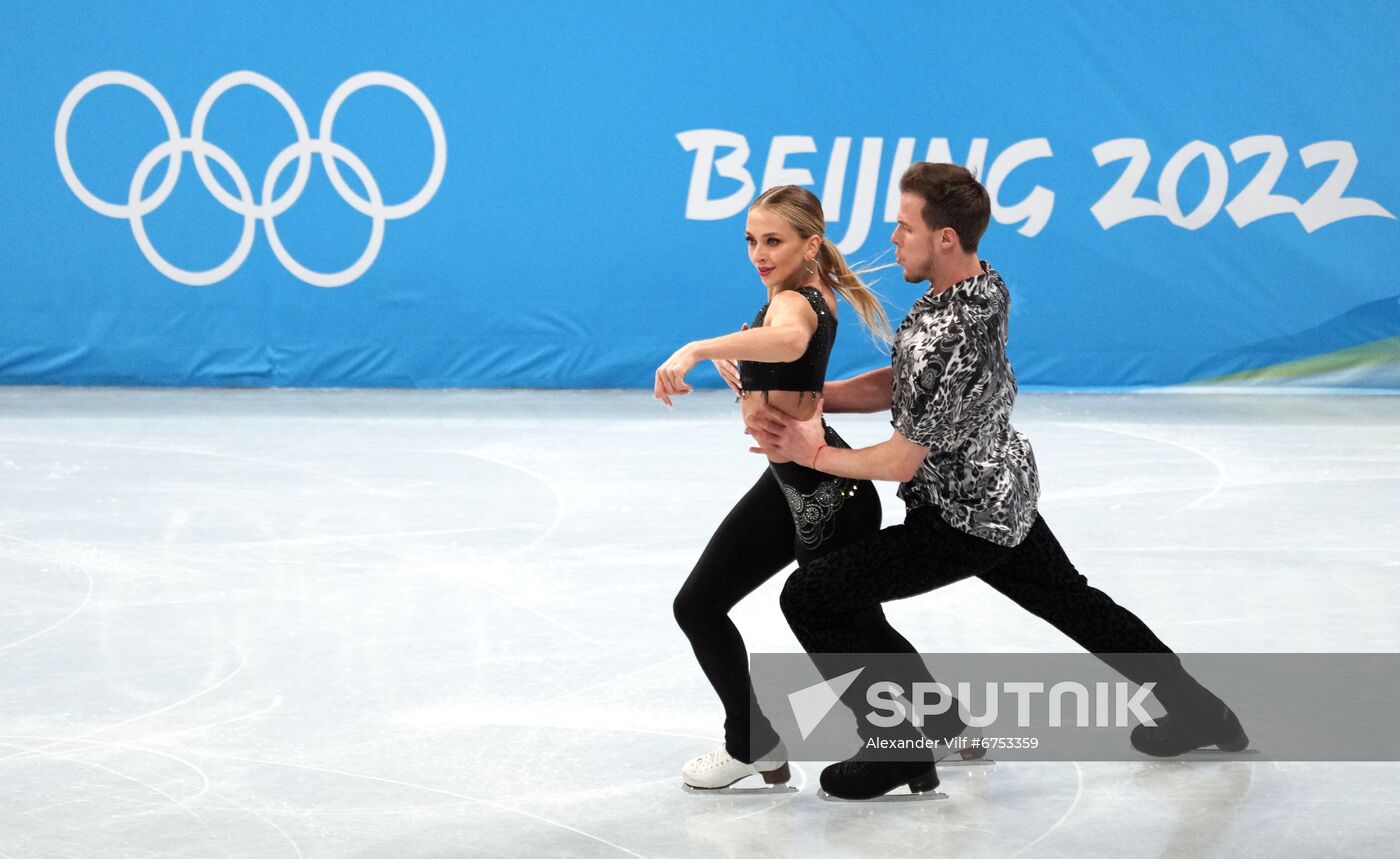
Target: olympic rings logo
<point x="265" y="208"/>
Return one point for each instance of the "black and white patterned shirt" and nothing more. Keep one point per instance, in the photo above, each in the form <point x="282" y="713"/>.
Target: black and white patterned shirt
<point x="952" y="391"/>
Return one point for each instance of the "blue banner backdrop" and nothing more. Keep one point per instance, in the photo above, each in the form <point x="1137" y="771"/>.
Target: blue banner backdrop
<point x="461" y="194"/>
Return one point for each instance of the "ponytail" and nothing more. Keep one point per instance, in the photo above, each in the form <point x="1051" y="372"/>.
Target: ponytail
<point x="833" y="270"/>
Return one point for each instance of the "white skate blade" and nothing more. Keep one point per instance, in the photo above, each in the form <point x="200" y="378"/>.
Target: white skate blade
<point x="735" y="790"/>
<point x="904" y="795"/>
<point x="946" y="757"/>
<point x="1212" y="755"/>
<point x="956" y="761"/>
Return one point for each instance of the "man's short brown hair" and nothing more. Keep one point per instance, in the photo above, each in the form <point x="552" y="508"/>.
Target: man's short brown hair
<point x="952" y="198"/>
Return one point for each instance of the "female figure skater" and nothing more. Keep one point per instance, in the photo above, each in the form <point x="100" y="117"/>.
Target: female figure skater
<point x="792" y="512"/>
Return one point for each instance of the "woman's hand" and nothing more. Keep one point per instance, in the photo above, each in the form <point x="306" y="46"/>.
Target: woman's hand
<point x="670" y="376"/>
<point x="729" y="370"/>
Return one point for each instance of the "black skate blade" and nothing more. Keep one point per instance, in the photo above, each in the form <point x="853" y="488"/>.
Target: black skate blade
<point x="733" y="790"/>
<point x="903" y="796"/>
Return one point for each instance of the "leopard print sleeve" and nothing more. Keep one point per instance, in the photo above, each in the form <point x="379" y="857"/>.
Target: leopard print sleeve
<point x="944" y="370"/>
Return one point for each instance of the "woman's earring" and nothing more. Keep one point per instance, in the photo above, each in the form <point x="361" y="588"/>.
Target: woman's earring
<point x="811" y="266"/>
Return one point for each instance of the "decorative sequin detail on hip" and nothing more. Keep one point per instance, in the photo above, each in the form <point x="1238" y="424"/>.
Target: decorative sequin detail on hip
<point x="814" y="512"/>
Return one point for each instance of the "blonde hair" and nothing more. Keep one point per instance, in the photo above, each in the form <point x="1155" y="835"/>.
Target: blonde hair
<point x="801" y="208"/>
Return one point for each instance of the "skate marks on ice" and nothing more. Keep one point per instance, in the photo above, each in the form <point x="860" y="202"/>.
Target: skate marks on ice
<point x="739" y="788"/>
<point x="430" y="509"/>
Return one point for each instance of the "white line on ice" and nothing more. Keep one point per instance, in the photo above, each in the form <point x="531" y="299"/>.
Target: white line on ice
<point x="276" y="702"/>
<point x="87" y="597"/>
<point x="296" y="848"/>
<point x="1078" y="793"/>
<point x="242" y="661"/>
<point x="1220" y="474"/>
<point x="462" y="796"/>
<point x="183" y="807"/>
<point x="103" y="744"/>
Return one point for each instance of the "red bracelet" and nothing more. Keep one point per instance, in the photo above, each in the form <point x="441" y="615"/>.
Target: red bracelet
<point x="814" y="457"/>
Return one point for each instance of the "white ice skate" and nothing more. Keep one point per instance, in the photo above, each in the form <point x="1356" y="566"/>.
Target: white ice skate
<point x="718" y="771"/>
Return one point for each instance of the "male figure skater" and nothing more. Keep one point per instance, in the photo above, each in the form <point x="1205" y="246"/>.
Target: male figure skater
<point x="969" y="482"/>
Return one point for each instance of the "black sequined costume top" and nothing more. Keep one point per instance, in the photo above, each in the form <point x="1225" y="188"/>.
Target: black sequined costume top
<point x="807" y="373"/>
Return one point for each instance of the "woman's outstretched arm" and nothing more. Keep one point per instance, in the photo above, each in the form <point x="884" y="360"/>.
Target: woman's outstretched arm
<point x="788" y="327"/>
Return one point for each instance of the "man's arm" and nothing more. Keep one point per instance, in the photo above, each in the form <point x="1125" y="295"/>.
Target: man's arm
<point x="804" y="442"/>
<point x="863" y="394"/>
<point x="897" y="459"/>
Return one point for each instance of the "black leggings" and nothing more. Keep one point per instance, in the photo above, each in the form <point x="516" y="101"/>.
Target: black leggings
<point x="791" y="513"/>
<point x="833" y="603"/>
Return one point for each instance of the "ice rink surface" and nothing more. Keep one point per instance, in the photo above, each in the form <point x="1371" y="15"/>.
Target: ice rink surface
<point x="403" y="624"/>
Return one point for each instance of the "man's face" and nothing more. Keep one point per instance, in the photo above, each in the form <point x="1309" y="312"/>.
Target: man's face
<point x="914" y="243"/>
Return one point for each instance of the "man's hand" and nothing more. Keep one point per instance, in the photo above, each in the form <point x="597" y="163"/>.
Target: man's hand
<point x="780" y="434"/>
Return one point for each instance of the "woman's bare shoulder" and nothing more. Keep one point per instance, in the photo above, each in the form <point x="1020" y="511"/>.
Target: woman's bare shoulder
<point x="791" y="301"/>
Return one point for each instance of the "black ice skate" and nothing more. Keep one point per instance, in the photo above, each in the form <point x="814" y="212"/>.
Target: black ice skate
<point x="857" y="779"/>
<point x="1175" y="736"/>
